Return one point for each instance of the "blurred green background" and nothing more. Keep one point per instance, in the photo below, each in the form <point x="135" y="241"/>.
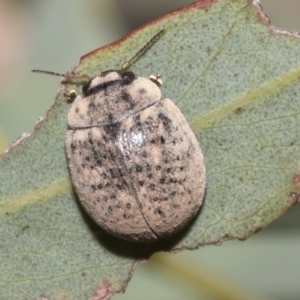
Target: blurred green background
<point x="52" y="35"/>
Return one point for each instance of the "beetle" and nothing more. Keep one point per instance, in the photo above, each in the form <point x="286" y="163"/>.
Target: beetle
<point x="136" y="165"/>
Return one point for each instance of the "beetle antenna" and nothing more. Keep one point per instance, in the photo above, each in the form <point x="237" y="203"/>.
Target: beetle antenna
<point x="128" y="63"/>
<point x="48" y="72"/>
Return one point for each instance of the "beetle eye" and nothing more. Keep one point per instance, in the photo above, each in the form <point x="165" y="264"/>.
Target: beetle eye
<point x="128" y="77"/>
<point x="86" y="87"/>
<point x="70" y="96"/>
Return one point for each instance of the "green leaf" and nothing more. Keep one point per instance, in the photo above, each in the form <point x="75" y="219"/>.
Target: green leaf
<point x="235" y="78"/>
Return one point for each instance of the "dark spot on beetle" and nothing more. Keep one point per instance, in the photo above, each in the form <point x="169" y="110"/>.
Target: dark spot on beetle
<point x="91" y="105"/>
<point x="110" y="117"/>
<point x="160" y="212"/>
<point x="177" y="157"/>
<point x="112" y="156"/>
<point x="169" y="170"/>
<point x="125" y="96"/>
<point x="95" y="154"/>
<point x="98" y="144"/>
<point x="83" y="166"/>
<point x="181" y="168"/>
<point x="93" y="187"/>
<point x="176" y="206"/>
<point x="110" y="208"/>
<point x="104" y="137"/>
<point x="174" y="142"/>
<point x="92" y="167"/>
<point x="162" y="180"/>
<point x="104" y="156"/>
<point x="119" y="186"/>
<point x="98" y="200"/>
<point x="124" y="183"/>
<point x="189" y="191"/>
<point x="73" y="147"/>
<point x="141" y="183"/>
<point x="144" y="154"/>
<point x="155" y="199"/>
<point x="78" y="170"/>
<point x="153" y="141"/>
<point x="98" y="162"/>
<point x="125" y="216"/>
<point x="150" y="175"/>
<point x="112" y="173"/>
<point x="112" y="129"/>
<point x="158" y="168"/>
<point x="190" y="202"/>
<point x="162" y="140"/>
<point x="137" y="119"/>
<point x="127" y="156"/>
<point x="166" y="121"/>
<point x="113" y="196"/>
<point x="152" y="187"/>
<point x="174" y="180"/>
<point x="105" y="199"/>
<point x="104" y="175"/>
<point x="77" y="110"/>
<point x="87" y="158"/>
<point x="148" y="167"/>
<point x="118" y="205"/>
<point x="121" y="173"/>
<point x="173" y="193"/>
<point x="100" y="186"/>
<point x="108" y="185"/>
<point x="91" y="141"/>
<point x="128" y="205"/>
<point x="166" y="161"/>
<point x="138" y="168"/>
<point x="142" y="91"/>
<point x="80" y="153"/>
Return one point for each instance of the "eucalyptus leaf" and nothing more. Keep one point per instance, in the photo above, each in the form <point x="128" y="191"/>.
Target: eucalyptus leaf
<point x="235" y="78"/>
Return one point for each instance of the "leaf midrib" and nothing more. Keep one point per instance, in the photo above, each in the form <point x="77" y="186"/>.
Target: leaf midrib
<point x="52" y="190"/>
<point x="245" y="99"/>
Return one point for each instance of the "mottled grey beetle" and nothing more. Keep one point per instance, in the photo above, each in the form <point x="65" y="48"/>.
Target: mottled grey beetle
<point x="136" y="165"/>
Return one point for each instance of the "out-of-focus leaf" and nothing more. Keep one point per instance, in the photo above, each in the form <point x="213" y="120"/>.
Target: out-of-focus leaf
<point x="3" y="142"/>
